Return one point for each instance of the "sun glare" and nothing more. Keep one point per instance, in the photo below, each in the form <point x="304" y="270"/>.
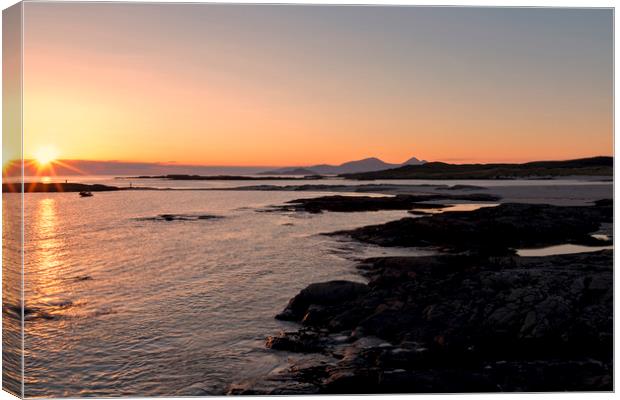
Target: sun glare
<point x="46" y="155"/>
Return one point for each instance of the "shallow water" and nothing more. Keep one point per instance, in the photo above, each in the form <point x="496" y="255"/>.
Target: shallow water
<point x="119" y="305"/>
<point x="560" y="249"/>
<point x="457" y="207"/>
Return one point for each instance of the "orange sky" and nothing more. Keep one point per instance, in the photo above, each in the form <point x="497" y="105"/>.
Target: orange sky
<point x="286" y="85"/>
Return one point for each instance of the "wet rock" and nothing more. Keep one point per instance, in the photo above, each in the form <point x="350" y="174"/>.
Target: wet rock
<point x="302" y="341"/>
<point x="418" y="212"/>
<point x="407" y="357"/>
<point x="604" y="203"/>
<point x="273" y="385"/>
<point x="550" y="375"/>
<point x="82" y="278"/>
<point x="491" y="230"/>
<point x="464" y="324"/>
<point x="435" y="381"/>
<point x="321" y="294"/>
<point x="180" y="217"/>
<point x="339" y="203"/>
<point x="35" y="313"/>
<point x="475" y="321"/>
<point x="351" y="381"/>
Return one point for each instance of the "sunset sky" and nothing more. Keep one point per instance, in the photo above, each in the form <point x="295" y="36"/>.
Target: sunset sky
<point x="301" y="85"/>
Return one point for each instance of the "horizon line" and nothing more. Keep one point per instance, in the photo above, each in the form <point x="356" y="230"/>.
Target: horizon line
<point x="305" y="165"/>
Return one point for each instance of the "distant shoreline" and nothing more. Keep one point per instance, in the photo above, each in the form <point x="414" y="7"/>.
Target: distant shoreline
<point x="536" y="191"/>
<point x="40" y="187"/>
<point x="593" y="166"/>
<point x="185" y="177"/>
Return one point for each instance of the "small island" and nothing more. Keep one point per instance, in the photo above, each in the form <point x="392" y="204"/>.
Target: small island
<point x="57" y="187"/>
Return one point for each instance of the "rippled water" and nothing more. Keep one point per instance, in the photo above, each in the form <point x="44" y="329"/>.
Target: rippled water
<point x="11" y="294"/>
<point x="119" y="305"/>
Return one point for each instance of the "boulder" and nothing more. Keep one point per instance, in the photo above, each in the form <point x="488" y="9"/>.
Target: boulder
<point x="321" y="294"/>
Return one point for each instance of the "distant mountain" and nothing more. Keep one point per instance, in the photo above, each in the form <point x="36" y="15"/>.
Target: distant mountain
<point x="351" y="167"/>
<point x="116" y="168"/>
<point x="594" y="166"/>
<point x="289" y="171"/>
<point x="367" y="164"/>
<point x="414" y="161"/>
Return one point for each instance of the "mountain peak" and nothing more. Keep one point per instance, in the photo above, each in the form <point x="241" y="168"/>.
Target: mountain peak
<point x="373" y="160"/>
<point x="356" y="166"/>
<point x="414" y="161"/>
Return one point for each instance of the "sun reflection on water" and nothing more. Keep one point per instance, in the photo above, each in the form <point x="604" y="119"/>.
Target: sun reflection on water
<point x="45" y="229"/>
<point x="45" y="282"/>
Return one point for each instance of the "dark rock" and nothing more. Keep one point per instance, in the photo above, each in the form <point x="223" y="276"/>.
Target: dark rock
<point x="483" y="320"/>
<point x="180" y="217"/>
<point x="418" y="212"/>
<point x="491" y="230"/>
<point x="325" y="293"/>
<point x="435" y="381"/>
<point x="463" y="324"/>
<point x="351" y="381"/>
<point x="298" y="342"/>
<point x="339" y="203"/>
<point x="30" y="313"/>
<point x="604" y="203"/>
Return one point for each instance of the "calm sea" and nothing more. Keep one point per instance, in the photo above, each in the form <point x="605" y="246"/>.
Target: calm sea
<point x="126" y="306"/>
<point x="123" y="305"/>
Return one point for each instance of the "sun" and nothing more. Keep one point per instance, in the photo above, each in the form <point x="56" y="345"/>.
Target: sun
<point x="46" y="155"/>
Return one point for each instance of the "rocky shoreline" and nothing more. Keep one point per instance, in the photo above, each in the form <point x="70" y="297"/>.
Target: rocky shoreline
<point x="338" y="203"/>
<point x="493" y="230"/>
<point x="475" y="318"/>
